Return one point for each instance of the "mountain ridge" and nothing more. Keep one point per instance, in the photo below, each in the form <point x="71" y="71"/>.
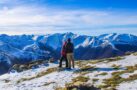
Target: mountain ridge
<point x="26" y="48"/>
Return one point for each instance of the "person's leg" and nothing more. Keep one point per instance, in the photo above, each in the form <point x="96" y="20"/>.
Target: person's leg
<point x="65" y="57"/>
<point x="60" y="63"/>
<point x="69" y="60"/>
<point x="72" y="60"/>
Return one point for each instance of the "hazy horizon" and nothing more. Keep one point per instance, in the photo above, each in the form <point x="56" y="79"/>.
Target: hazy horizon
<point x="65" y="33"/>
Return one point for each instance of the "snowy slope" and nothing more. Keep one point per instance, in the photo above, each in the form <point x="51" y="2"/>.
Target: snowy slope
<point x="58" y="78"/>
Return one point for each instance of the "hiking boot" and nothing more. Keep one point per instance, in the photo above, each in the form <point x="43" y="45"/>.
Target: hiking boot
<point x="59" y="66"/>
<point x="66" y="66"/>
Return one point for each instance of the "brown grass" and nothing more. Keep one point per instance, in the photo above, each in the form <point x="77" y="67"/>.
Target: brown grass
<point x="48" y="71"/>
<point x="116" y="79"/>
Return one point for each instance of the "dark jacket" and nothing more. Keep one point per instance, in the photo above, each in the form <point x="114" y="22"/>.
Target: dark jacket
<point x="69" y="47"/>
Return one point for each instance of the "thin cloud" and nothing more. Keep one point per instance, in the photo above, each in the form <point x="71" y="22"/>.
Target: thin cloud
<point x="45" y="19"/>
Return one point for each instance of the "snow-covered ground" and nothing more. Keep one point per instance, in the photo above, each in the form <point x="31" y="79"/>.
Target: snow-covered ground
<point x="128" y="86"/>
<point x="59" y="78"/>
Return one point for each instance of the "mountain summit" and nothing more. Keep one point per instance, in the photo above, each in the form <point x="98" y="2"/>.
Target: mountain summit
<point x="117" y="73"/>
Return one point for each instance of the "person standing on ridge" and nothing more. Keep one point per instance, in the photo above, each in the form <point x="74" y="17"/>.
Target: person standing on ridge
<point x="63" y="55"/>
<point x="70" y="53"/>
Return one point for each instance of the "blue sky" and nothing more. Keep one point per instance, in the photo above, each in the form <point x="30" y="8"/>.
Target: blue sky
<point x="91" y="17"/>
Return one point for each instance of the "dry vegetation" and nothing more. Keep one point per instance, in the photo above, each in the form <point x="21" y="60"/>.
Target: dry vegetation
<point x="116" y="67"/>
<point x="76" y="84"/>
<point x="27" y="66"/>
<point x="85" y="70"/>
<point x="80" y="87"/>
<point x="103" y="74"/>
<point x="83" y="63"/>
<point x="43" y="73"/>
<point x="116" y="79"/>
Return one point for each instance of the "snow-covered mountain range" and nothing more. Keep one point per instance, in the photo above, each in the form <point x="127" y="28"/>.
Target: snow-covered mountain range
<point x="25" y="48"/>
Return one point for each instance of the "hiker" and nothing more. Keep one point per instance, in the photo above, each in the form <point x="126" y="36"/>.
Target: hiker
<point x="63" y="55"/>
<point x="69" y="51"/>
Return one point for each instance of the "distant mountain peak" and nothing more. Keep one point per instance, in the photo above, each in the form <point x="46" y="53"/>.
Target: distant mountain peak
<point x="25" y="48"/>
